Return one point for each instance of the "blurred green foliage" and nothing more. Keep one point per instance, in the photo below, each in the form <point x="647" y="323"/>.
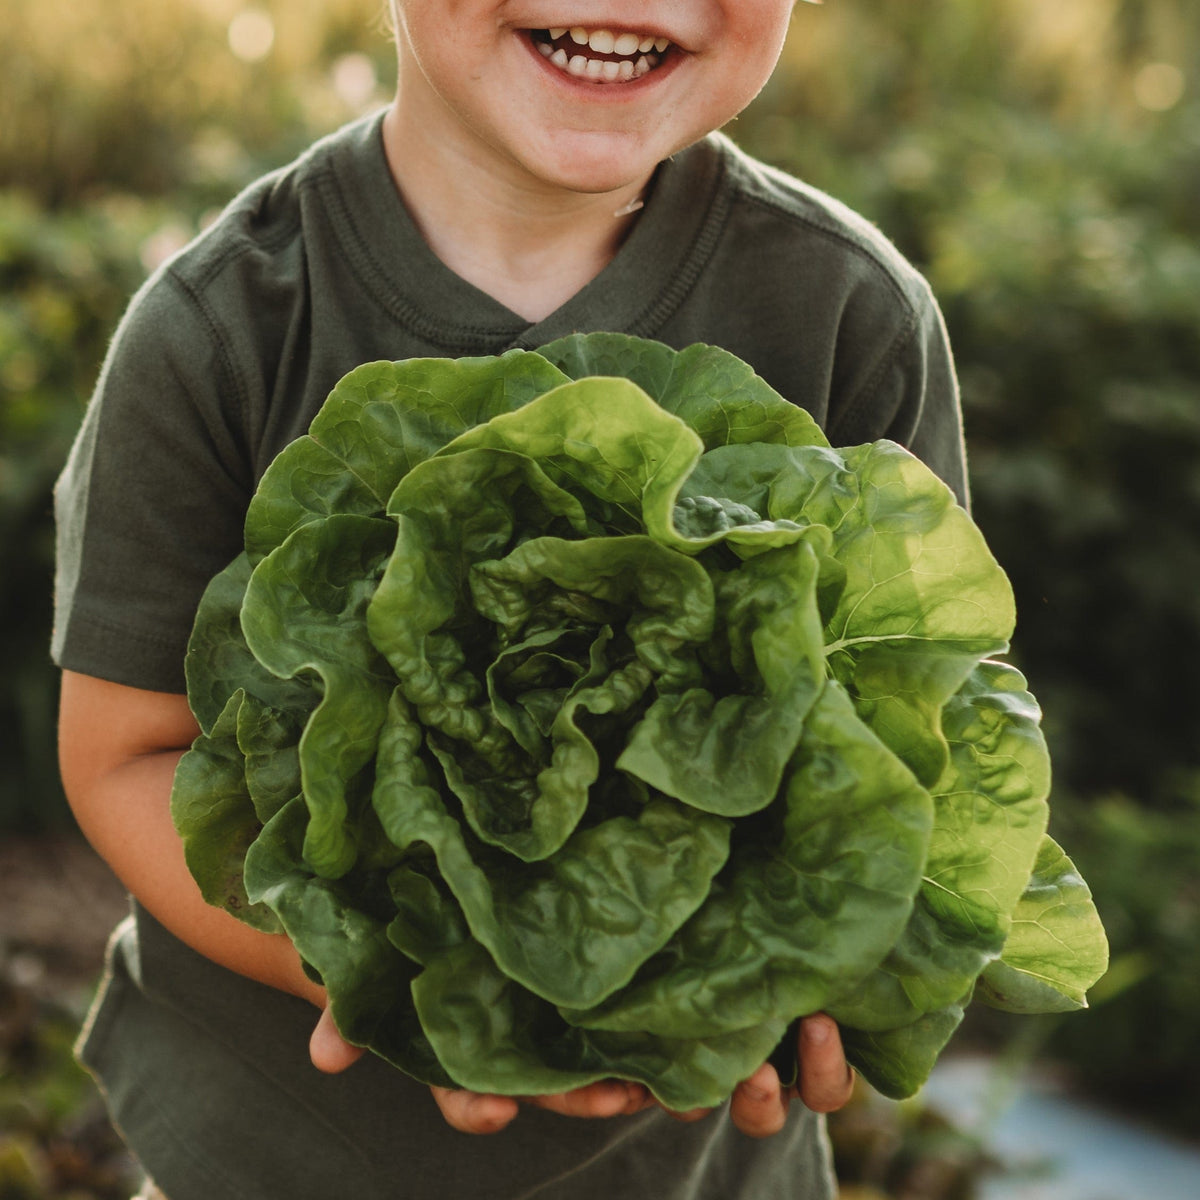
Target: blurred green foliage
<point x="1139" y="1043"/>
<point x="63" y="284"/>
<point x="1041" y="162"/>
<point x="56" y="1142"/>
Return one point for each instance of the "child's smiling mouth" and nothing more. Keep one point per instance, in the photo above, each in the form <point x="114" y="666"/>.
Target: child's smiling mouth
<point x="600" y="55"/>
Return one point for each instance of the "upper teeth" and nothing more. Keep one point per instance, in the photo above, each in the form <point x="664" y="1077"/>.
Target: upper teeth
<point x="604" y="41"/>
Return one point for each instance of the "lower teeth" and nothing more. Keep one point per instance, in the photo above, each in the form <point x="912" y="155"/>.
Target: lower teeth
<point x="599" y="70"/>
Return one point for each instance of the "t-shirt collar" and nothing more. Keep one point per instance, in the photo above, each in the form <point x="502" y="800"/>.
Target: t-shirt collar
<point x="635" y="292"/>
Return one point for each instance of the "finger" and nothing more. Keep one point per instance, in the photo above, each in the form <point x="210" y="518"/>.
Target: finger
<point x="826" y="1079"/>
<point x="688" y="1116"/>
<point x="474" y="1112"/>
<point x="640" y="1099"/>
<point x="759" y="1105"/>
<point x="606" y="1098"/>
<point x="329" y="1051"/>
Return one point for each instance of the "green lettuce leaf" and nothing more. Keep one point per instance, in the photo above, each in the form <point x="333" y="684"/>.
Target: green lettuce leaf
<point x="215" y="816"/>
<point x="816" y="895"/>
<point x="989" y="817"/>
<point x="494" y="1036"/>
<point x="571" y="928"/>
<point x="1056" y="948"/>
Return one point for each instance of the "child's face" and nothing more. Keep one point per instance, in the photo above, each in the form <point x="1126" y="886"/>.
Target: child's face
<point x="486" y="78"/>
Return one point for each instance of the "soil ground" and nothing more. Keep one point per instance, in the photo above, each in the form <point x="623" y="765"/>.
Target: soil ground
<point x="58" y="903"/>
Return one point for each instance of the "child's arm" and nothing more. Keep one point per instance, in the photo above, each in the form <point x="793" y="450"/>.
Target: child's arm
<point x="118" y="747"/>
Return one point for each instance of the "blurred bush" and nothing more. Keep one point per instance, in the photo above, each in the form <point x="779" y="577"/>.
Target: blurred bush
<point x="171" y="96"/>
<point x="63" y="284"/>
<point x="1139" y="1043"/>
<point x="1041" y="162"/>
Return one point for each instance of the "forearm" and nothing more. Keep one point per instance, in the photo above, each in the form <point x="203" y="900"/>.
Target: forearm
<point x="121" y="800"/>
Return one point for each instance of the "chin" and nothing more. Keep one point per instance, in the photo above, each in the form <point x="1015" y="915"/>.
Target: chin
<point x="594" y="163"/>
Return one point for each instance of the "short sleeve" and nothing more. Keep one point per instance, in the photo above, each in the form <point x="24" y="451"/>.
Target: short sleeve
<point x="152" y="499"/>
<point x="910" y="395"/>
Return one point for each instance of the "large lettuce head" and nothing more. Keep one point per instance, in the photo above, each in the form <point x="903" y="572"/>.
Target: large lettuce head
<point x="584" y="713"/>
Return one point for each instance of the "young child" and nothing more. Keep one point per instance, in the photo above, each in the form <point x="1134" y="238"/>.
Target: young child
<point x="547" y="166"/>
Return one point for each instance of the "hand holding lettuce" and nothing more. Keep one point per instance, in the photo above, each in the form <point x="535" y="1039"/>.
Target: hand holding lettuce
<point x="583" y="713"/>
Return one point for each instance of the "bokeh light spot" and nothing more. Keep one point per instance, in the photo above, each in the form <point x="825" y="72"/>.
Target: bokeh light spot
<point x="1159" y="86"/>
<point x="251" y="34"/>
<point x="354" y="80"/>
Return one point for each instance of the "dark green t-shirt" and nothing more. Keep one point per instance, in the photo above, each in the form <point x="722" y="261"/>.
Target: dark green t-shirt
<point x="223" y="358"/>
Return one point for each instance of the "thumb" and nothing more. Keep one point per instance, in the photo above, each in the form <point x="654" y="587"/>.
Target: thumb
<point x="329" y="1051"/>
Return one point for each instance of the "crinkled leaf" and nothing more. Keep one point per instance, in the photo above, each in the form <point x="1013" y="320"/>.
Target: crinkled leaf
<point x="366" y="977"/>
<point x="815" y="896"/>
<point x="1056" y="948"/>
<point x="451" y="513"/>
<point x="990" y="814"/>
<point x="304" y="482"/>
<point x="571" y="928"/>
<point x="665" y="599"/>
<point x="218" y="661"/>
<point x="213" y="812"/>
<point x="304" y="616"/>
<point x="270" y="740"/>
<point x="727" y="754"/>
<point x="494" y="1036"/>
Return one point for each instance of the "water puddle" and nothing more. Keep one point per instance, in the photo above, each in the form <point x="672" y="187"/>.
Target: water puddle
<point x="1057" y="1147"/>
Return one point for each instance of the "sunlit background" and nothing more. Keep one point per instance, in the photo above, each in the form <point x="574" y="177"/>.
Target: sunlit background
<point x="1039" y="161"/>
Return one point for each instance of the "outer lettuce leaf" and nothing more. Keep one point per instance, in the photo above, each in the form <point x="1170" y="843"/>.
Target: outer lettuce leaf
<point x="990" y="814"/>
<point x="218" y="661"/>
<point x="215" y="817"/>
<point x="304" y="615"/>
<point x="897" y="1062"/>
<point x="923" y="601"/>
<point x="379" y="422"/>
<point x="344" y="945"/>
<point x="1056" y="948"/>
<point x="494" y="1036"/>
<point x="712" y="391"/>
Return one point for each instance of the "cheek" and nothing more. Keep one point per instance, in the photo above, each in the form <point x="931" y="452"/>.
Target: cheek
<point x="755" y="31"/>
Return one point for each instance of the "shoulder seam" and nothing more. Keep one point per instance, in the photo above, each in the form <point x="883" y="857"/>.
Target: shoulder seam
<point x="835" y="235"/>
<point x="195" y="296"/>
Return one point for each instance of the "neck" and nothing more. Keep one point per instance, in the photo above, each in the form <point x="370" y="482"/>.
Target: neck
<point x="529" y="245"/>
